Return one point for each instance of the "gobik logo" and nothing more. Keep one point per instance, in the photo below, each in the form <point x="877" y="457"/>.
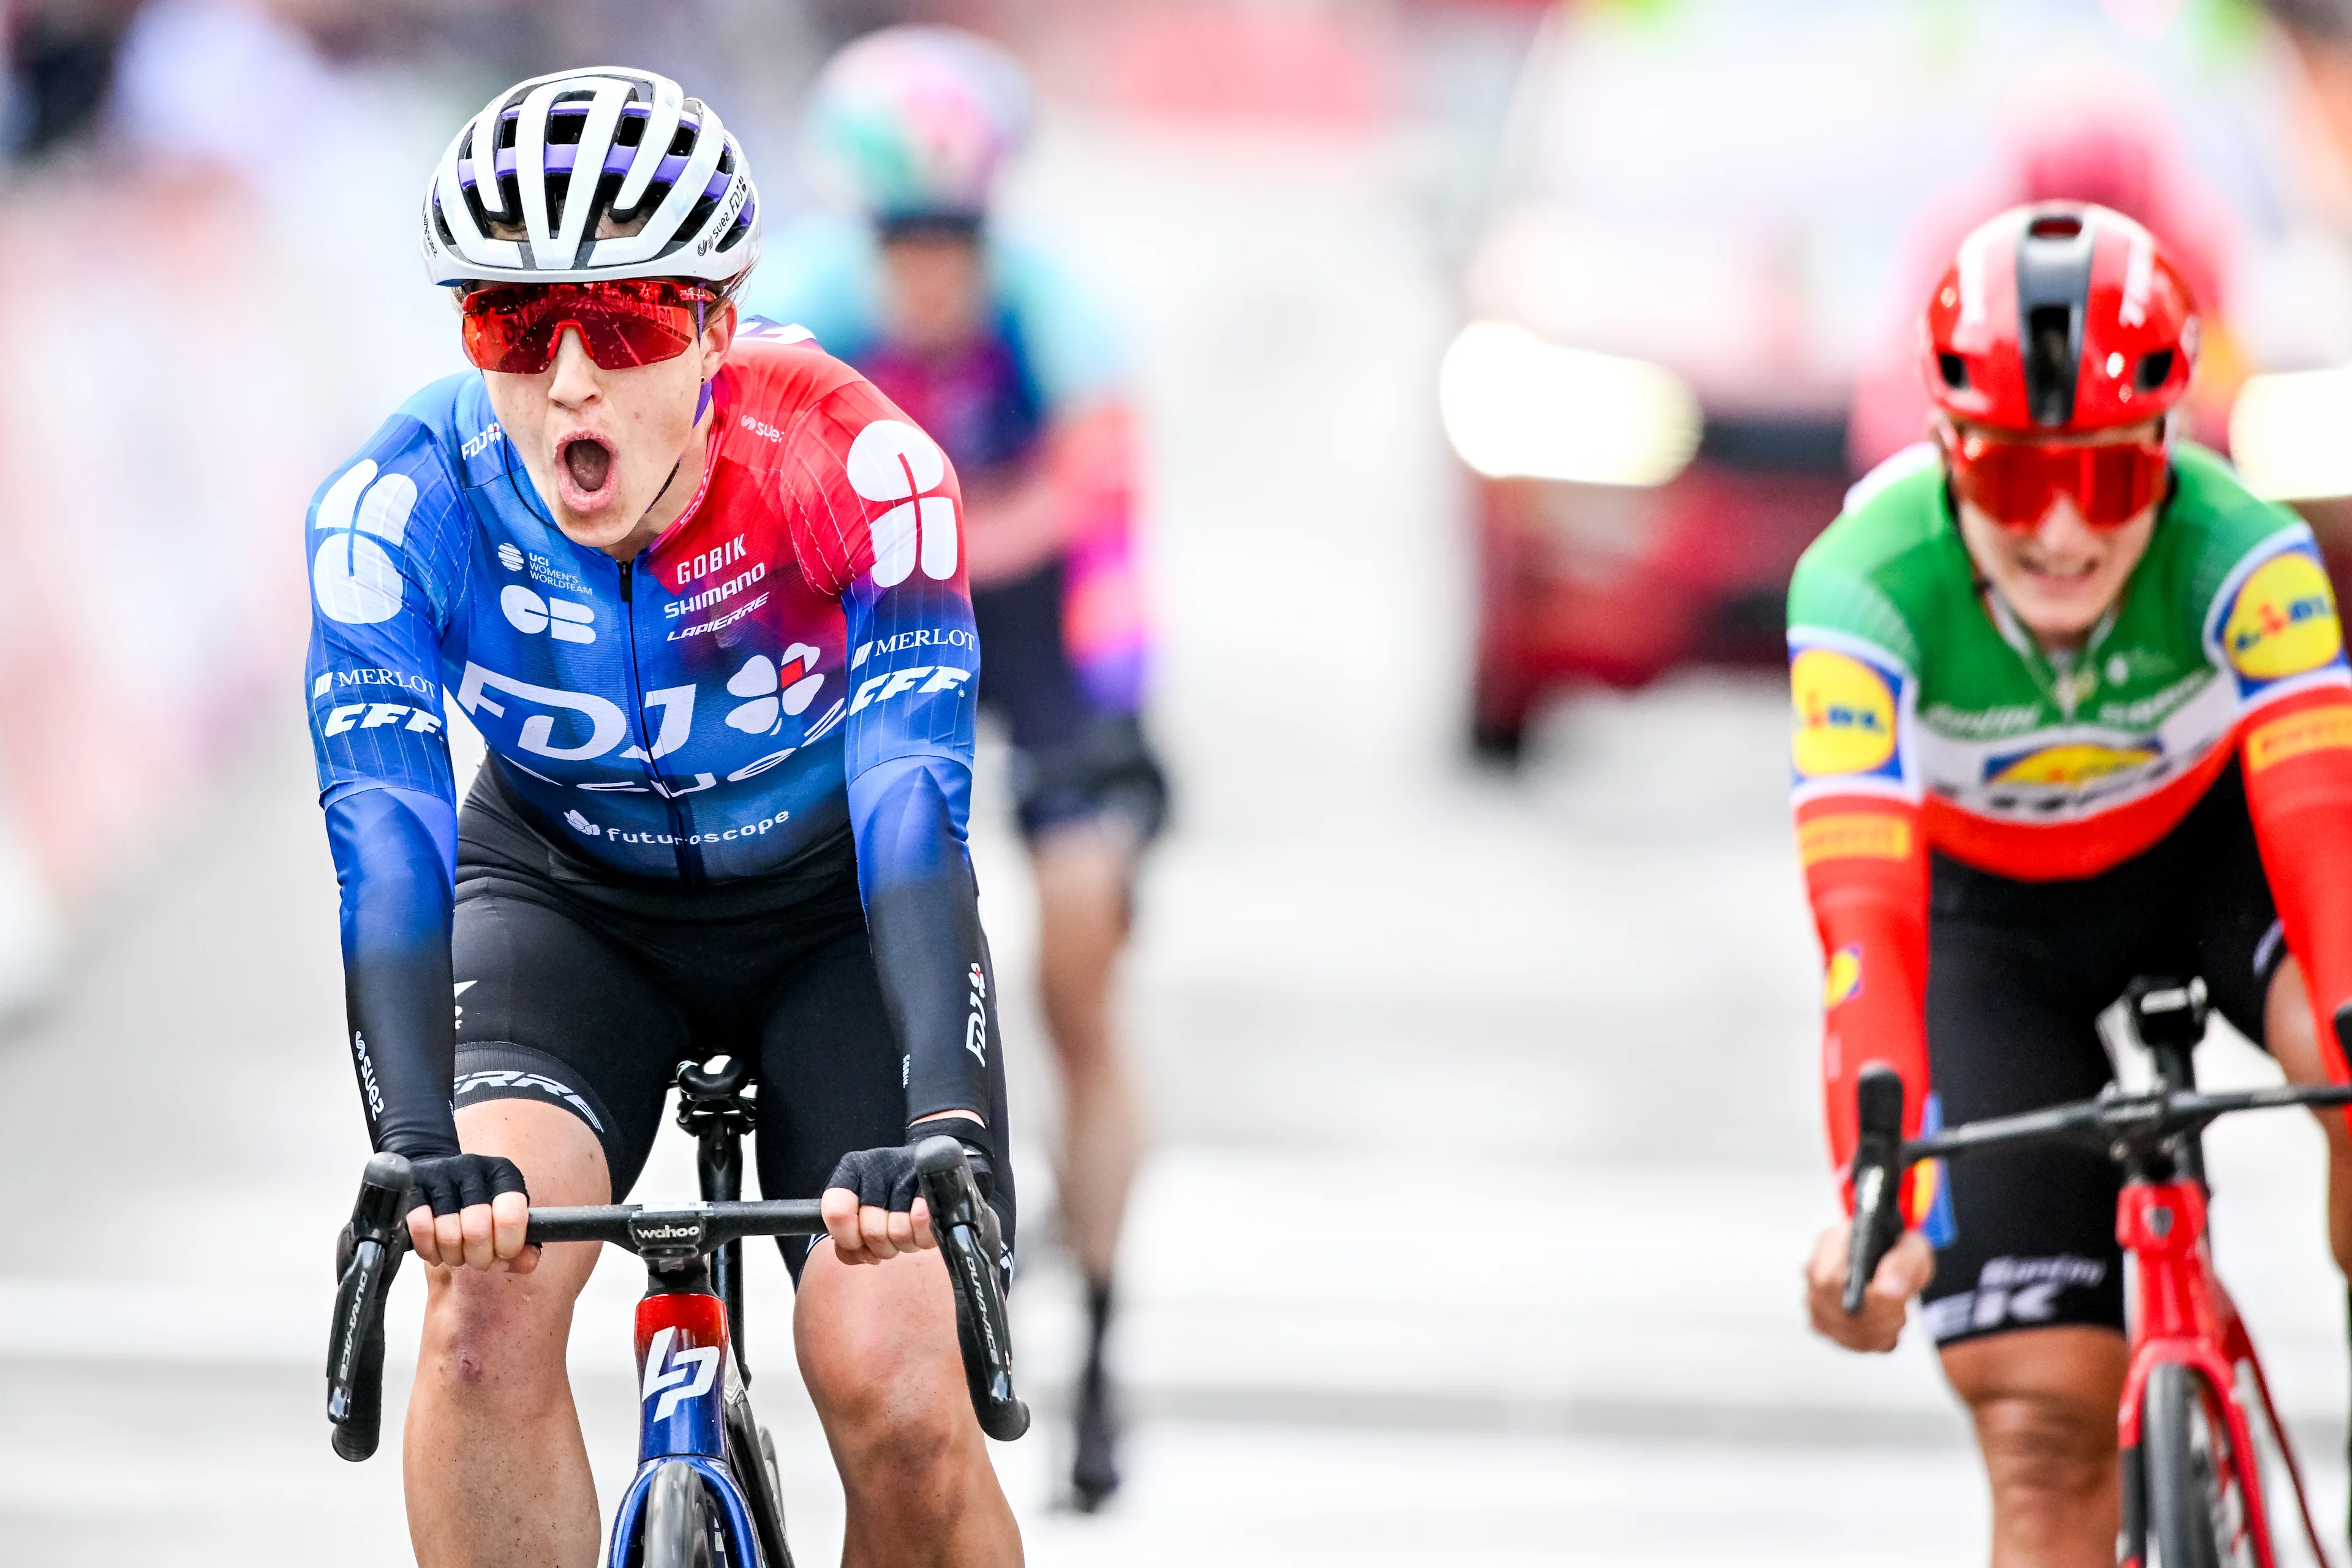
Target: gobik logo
<point x="892" y="460"/>
<point x="775" y="692"/>
<point x="689" y="1374"/>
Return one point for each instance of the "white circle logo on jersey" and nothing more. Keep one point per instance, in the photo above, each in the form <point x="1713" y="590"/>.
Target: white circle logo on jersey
<point x="775" y="692"/>
<point x="354" y="577"/>
<point x="892" y="460"/>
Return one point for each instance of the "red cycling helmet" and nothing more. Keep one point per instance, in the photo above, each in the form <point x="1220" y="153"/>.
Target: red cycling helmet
<point x="2057" y="319"/>
<point x="2060" y="318"/>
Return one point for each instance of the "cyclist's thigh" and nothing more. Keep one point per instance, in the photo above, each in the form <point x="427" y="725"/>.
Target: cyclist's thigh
<point x="550" y="1011"/>
<point x="832" y="1078"/>
<point x="2235" y="932"/>
<point x="2008" y="1030"/>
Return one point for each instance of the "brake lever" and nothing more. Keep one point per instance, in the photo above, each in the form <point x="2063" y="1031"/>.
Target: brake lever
<point x="370" y="1259"/>
<point x="1876" y="1172"/>
<point x="972" y="1240"/>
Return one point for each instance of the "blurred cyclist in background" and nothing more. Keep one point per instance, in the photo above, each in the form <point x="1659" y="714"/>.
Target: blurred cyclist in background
<point x="2072" y="707"/>
<point x="2108" y="141"/>
<point x="999" y="357"/>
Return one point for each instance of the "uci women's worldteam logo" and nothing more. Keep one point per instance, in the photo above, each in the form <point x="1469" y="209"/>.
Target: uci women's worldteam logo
<point x="2282" y="620"/>
<point x="1846" y="715"/>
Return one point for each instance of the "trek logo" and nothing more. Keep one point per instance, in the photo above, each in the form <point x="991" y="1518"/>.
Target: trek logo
<point x="891" y="460"/>
<point x="975" y="1027"/>
<point x="711" y="560"/>
<point x="354" y="576"/>
<point x="331" y="678"/>
<point x="479" y="443"/>
<point x="775" y="692"/>
<point x="421" y="721"/>
<point x="2022" y="1290"/>
<point x="559" y="618"/>
<point x="891" y="682"/>
<point x="689" y="1374"/>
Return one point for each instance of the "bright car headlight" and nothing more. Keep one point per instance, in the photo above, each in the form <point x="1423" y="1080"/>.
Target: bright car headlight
<point x="2287" y="434"/>
<point x="1515" y="407"/>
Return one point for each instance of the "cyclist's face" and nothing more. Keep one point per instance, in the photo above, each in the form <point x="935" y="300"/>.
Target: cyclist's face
<point x="601" y="444"/>
<point x="2060" y="575"/>
<point x="937" y="290"/>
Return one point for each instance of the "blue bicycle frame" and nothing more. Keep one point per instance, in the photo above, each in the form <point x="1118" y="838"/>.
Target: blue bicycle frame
<point x="687" y="1382"/>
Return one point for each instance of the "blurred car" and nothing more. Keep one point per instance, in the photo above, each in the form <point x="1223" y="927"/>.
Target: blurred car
<point x="1704" y="236"/>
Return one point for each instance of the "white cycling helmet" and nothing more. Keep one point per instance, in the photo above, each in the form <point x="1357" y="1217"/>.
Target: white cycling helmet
<point x="915" y="123"/>
<point x="553" y="155"/>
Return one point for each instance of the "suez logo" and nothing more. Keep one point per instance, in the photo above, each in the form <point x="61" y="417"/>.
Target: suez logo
<point x="375" y="715"/>
<point x="560" y="618"/>
<point x="367" y="1076"/>
<point x="676" y="1377"/>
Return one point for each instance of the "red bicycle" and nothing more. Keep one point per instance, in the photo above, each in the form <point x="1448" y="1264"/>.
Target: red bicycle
<point x="2192" y="1474"/>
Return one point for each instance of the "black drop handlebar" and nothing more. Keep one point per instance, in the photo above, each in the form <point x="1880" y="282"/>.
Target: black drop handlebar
<point x="2135" y="1128"/>
<point x="965" y="1223"/>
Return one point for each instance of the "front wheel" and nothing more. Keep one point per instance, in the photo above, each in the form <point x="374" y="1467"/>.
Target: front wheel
<point x="681" y="1528"/>
<point x="2199" y="1514"/>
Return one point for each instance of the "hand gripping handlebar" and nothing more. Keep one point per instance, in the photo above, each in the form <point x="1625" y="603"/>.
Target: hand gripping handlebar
<point x="969" y="1234"/>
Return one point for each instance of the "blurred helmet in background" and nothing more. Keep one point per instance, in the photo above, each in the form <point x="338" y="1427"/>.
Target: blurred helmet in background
<point x="2060" y="318"/>
<point x="525" y="190"/>
<point x="913" y="125"/>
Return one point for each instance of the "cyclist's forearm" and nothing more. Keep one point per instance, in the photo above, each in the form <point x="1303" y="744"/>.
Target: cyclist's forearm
<point x="394" y="851"/>
<point x="2298" y="770"/>
<point x="922" y="916"/>
<point x="1866" y="874"/>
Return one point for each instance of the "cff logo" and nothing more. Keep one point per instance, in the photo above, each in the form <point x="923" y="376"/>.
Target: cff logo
<point x="775" y="692"/>
<point x="689" y="1374"/>
<point x="559" y="618"/>
<point x="892" y="460"/>
<point x="354" y="576"/>
<point x="510" y="558"/>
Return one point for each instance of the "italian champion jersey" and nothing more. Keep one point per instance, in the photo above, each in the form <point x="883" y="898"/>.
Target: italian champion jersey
<point x="1912" y="680"/>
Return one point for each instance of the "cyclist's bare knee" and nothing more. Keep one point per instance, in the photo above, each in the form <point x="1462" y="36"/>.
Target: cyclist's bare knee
<point x="878" y="1349"/>
<point x="2044" y="1402"/>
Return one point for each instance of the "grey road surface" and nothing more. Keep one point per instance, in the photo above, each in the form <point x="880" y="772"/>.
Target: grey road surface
<point x="1487" y="1129"/>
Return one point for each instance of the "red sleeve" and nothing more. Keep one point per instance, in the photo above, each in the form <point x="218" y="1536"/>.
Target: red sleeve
<point x="2298" y="766"/>
<point x="1865" y="864"/>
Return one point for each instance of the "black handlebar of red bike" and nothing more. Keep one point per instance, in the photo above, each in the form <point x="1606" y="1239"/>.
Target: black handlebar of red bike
<point x="966" y="1226"/>
<point x="2132" y="1127"/>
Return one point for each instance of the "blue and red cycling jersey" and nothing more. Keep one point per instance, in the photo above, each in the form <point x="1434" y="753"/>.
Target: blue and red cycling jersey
<point x="791" y="662"/>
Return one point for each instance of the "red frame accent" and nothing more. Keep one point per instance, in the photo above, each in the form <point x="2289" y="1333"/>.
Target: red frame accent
<point x="2186" y="1317"/>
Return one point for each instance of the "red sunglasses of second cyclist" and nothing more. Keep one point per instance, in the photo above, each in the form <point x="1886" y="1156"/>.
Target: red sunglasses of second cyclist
<point x="514" y="329"/>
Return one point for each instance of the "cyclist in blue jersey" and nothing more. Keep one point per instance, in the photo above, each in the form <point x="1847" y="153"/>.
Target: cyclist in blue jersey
<point x="994" y="353"/>
<point x="703" y="590"/>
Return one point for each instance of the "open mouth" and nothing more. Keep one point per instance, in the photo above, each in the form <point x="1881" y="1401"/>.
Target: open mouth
<point x="584" y="470"/>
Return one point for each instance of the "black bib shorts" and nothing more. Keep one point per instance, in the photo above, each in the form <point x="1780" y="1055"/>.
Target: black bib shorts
<point x="2017" y="975"/>
<point x="584" y="991"/>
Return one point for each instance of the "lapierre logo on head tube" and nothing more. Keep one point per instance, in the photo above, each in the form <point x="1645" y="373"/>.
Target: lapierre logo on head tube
<point x="689" y="1374"/>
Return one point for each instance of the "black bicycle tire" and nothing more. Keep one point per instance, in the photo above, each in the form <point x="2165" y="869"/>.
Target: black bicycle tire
<point x="676" y="1529"/>
<point x="2181" y="1497"/>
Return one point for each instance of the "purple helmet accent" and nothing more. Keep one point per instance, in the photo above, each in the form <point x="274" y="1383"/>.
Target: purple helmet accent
<point x="633" y="147"/>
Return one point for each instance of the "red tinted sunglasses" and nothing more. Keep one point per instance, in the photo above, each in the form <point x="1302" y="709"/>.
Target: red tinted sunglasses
<point x="2016" y="483"/>
<point x="513" y="329"/>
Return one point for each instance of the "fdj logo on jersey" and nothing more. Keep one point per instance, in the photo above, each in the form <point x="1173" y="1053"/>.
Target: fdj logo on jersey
<point x="2283" y="621"/>
<point x="1845" y="714"/>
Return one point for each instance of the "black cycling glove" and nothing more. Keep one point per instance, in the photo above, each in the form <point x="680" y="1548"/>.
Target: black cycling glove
<point x="884" y="1178"/>
<point x="448" y="1183"/>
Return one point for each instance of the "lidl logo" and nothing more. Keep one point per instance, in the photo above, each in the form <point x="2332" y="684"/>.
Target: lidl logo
<point x="2283" y="621"/>
<point x="2069" y="766"/>
<point x="1845" y="714"/>
<point x="1841" y="982"/>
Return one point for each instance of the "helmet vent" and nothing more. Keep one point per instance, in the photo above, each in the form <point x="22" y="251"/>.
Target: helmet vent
<point x="2050" y="363"/>
<point x="2155" y="370"/>
<point x="1955" y="371"/>
<point x="2055" y="226"/>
